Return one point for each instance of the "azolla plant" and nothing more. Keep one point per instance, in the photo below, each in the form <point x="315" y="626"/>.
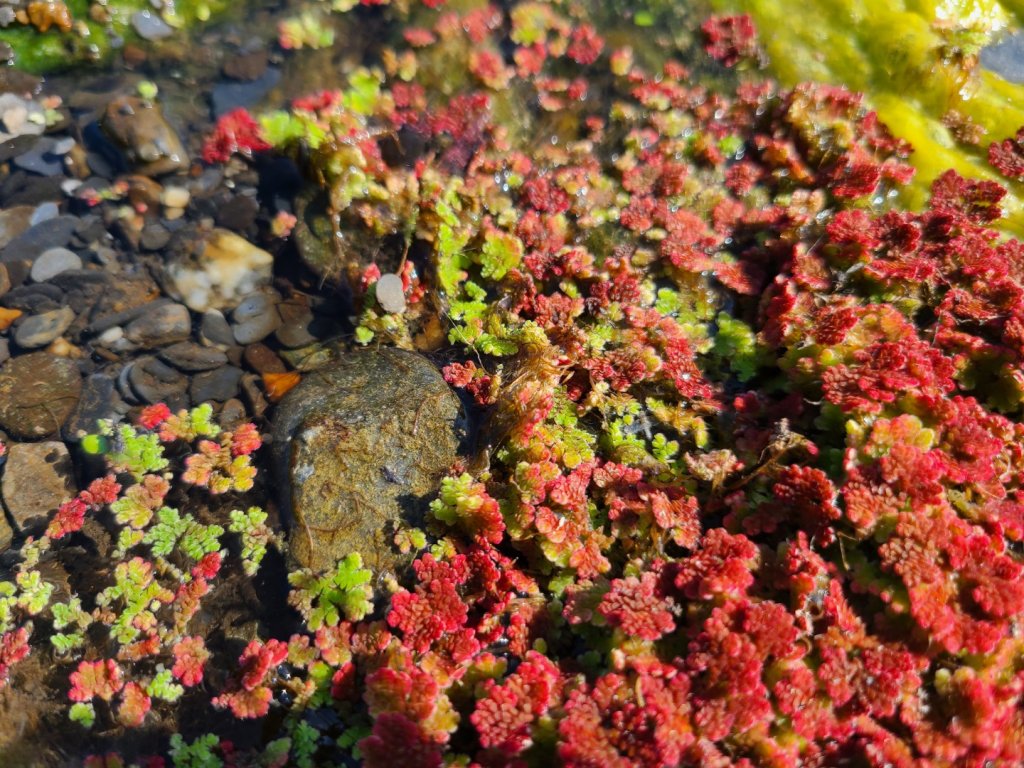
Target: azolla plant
<point x="749" y="486"/>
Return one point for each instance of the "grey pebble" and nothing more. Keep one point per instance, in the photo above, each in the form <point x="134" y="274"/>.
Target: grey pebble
<point x="41" y="159"/>
<point x="150" y="26"/>
<point x="164" y="325"/>
<point x="99" y="400"/>
<point x="390" y="293"/>
<point x="39" y="330"/>
<point x="44" y="212"/>
<point x="220" y="384"/>
<point x="53" y="233"/>
<point x="154" y="237"/>
<point x="214" y="329"/>
<point x="52" y="262"/>
<point x="153" y="381"/>
<point x="189" y="356"/>
<point x="255" y="318"/>
<point x="229" y="95"/>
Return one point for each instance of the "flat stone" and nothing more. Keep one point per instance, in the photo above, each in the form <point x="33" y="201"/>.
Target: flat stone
<point x="228" y="268"/>
<point x="44" y="212"/>
<point x="38" y="392"/>
<point x="215" y="330"/>
<point x="153" y="381"/>
<point x="52" y="262"/>
<point x="228" y="95"/>
<point x="14" y="221"/>
<point x="149" y="26"/>
<point x="54" y="233"/>
<point x="39" y="330"/>
<point x="38" y="478"/>
<point x="219" y="384"/>
<point x="263" y="359"/>
<point x="164" y="325"/>
<point x="255" y="318"/>
<point x="192" y="357"/>
<point x="41" y="159"/>
<point x="99" y="400"/>
<point x="359" y="446"/>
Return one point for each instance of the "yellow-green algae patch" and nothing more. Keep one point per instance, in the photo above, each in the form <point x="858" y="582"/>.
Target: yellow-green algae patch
<point x="917" y="64"/>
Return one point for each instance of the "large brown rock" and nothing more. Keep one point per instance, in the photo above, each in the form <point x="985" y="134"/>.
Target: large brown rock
<point x="37" y="394"/>
<point x="37" y="478"/>
<point x="360" y="445"/>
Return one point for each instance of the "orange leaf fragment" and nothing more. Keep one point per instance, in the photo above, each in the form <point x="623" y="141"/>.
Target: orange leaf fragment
<point x="278" y="384"/>
<point x="8" y="316"/>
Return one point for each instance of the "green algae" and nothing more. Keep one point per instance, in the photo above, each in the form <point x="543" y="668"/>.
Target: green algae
<point x="916" y="62"/>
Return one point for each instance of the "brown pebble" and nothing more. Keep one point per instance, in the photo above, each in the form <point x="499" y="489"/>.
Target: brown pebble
<point x="263" y="359"/>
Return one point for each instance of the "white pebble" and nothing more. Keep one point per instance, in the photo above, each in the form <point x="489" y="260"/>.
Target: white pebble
<point x="390" y="294"/>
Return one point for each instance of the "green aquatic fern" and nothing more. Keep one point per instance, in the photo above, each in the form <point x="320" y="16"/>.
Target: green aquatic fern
<point x="324" y="599"/>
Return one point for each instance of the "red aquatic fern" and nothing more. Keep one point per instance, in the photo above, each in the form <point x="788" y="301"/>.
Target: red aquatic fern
<point x="635" y="605"/>
<point x="13" y="648"/>
<point x="235" y="133"/>
<point x="397" y="740"/>
<point x="101" y="678"/>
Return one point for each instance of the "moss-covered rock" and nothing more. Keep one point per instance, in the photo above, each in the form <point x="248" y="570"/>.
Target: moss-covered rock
<point x="361" y="446"/>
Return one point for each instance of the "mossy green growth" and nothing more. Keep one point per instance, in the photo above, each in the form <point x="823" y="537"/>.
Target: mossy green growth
<point x="93" y="42"/>
<point x="916" y="61"/>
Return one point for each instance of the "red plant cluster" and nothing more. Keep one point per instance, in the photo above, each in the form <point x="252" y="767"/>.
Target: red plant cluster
<point x="754" y="492"/>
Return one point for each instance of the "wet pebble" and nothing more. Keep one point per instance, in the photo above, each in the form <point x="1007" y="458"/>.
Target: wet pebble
<point x="44" y="212"/>
<point x="38" y="392"/>
<point x="220" y="384"/>
<point x="263" y="359"/>
<point x="255" y="318"/>
<point x="140" y="129"/>
<point x="39" y="330"/>
<point x="38" y="478"/>
<point x="252" y="394"/>
<point x="20" y="117"/>
<point x="228" y="268"/>
<point x="53" y="262"/>
<point x="154" y="237"/>
<point x="149" y="26"/>
<point x="229" y="95"/>
<point x="14" y="221"/>
<point x="41" y="159"/>
<point x="175" y="197"/>
<point x="53" y="233"/>
<point x="215" y="331"/>
<point x="153" y="381"/>
<point x="34" y="299"/>
<point x="238" y="213"/>
<point x="192" y="357"/>
<point x="99" y="400"/>
<point x="246" y="66"/>
<point x="165" y="325"/>
<point x="296" y="319"/>
<point x="232" y="414"/>
<point x="390" y="293"/>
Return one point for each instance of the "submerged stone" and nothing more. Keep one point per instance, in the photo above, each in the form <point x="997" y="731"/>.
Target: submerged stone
<point x="360" y="446"/>
<point x="38" y="392"/>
